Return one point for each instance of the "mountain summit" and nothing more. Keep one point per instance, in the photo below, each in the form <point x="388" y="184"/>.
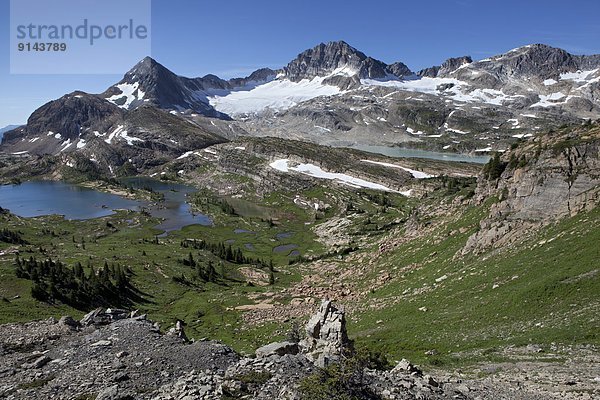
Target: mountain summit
<point x="331" y="58"/>
<point x="149" y="82"/>
<point x="333" y="93"/>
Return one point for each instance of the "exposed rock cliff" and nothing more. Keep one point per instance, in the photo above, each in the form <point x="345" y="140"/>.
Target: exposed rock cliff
<point x="327" y="58"/>
<point x="555" y="175"/>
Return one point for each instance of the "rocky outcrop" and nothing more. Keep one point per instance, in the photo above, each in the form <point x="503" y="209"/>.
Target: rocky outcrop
<point x="560" y="169"/>
<point x="326" y="337"/>
<point x="279" y="369"/>
<point x="128" y="358"/>
<point x="277" y="349"/>
<point x="178" y="331"/>
<point x="101" y="316"/>
<point x="449" y="66"/>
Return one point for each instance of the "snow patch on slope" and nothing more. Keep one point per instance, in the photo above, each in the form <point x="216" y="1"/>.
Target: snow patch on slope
<point x="579" y="76"/>
<point x="130" y="92"/>
<point x="188" y="154"/>
<point x="452" y="88"/>
<point x="551" y="100"/>
<point x="65" y="145"/>
<point x="317" y="172"/>
<point x="121" y="133"/>
<point x="415" y="174"/>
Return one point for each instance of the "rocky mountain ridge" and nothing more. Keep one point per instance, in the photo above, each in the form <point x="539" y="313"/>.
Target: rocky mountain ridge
<point x="6" y="129"/>
<point x="340" y="58"/>
<point x="537" y="60"/>
<point x="332" y="94"/>
<point x="461" y="106"/>
<point x="109" y="137"/>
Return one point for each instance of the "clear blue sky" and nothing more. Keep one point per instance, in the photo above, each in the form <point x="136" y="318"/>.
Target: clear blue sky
<point x="234" y="37"/>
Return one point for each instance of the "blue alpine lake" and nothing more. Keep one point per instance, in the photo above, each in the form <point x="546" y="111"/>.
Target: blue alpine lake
<point x="400" y="152"/>
<point x="38" y="198"/>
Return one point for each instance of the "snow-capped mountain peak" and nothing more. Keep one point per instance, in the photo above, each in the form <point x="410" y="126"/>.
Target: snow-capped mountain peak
<point x="327" y="58"/>
<point x="333" y="92"/>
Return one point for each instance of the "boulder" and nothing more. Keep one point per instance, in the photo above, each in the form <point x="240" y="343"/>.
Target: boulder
<point x="405" y="366"/>
<point x="116" y="314"/>
<point x="37" y="363"/>
<point x="277" y="349"/>
<point x="69" y="322"/>
<point x="113" y="393"/>
<point x="95" y="317"/>
<point x="101" y="343"/>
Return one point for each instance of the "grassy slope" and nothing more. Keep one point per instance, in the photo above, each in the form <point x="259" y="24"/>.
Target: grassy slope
<point x="536" y="292"/>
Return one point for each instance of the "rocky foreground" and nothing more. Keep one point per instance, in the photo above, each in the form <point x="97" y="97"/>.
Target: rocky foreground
<point x="117" y="355"/>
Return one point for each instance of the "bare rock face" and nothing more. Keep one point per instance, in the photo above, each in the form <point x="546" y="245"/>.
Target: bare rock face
<point x="326" y="338"/>
<point x="450" y="65"/>
<point x="559" y="169"/>
<point x="399" y="69"/>
<point x="535" y="59"/>
<point x="325" y="58"/>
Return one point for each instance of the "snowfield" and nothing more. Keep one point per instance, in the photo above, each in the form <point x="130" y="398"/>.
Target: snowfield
<point x="276" y="95"/>
<point x="459" y="91"/>
<point x="551" y="100"/>
<point x="317" y="172"/>
<point x="579" y="76"/>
